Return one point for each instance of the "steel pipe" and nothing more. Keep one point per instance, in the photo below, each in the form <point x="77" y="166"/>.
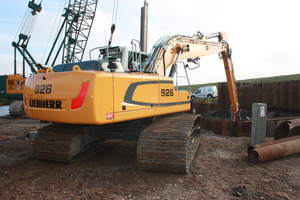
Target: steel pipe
<point x="274" y="151"/>
<point x="273" y="142"/>
<point x="287" y="128"/>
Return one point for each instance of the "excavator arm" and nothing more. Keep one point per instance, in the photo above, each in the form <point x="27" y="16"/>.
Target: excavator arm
<point x="228" y="66"/>
<point x="169" y="49"/>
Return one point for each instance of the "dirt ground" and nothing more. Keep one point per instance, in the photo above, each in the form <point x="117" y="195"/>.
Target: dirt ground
<point x="220" y="170"/>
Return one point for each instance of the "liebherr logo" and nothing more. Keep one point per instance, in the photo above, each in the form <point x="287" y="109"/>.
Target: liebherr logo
<point x="52" y="104"/>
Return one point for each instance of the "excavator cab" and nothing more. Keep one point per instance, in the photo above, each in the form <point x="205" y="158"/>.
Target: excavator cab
<point x="111" y="59"/>
<point x="125" y="59"/>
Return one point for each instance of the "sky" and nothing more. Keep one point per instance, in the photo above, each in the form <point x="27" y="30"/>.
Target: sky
<point x="263" y="35"/>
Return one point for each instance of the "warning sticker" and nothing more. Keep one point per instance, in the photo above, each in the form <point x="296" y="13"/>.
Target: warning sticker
<point x="109" y="116"/>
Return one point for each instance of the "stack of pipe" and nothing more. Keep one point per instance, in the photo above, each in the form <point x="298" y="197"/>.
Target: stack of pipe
<point x="286" y="143"/>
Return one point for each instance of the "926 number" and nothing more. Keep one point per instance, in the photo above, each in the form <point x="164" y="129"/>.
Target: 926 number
<point x="167" y="92"/>
<point x="43" y="89"/>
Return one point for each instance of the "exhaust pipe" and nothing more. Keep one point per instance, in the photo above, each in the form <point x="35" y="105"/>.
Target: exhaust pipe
<point x="144" y="27"/>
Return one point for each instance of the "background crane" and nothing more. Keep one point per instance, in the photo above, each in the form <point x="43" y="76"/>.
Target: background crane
<point x="74" y="33"/>
<point x="77" y="24"/>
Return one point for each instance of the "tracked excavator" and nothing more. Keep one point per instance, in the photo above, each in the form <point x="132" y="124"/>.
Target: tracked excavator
<point x="117" y="97"/>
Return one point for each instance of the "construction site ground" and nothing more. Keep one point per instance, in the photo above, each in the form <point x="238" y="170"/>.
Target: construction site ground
<point x="220" y="170"/>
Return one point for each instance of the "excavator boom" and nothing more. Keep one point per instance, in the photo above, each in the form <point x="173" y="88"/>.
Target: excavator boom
<point x="171" y="48"/>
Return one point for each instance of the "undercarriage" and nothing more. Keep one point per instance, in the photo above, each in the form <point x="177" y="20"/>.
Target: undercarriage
<point x="166" y="143"/>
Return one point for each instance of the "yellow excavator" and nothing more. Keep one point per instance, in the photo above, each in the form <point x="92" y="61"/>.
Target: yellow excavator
<point x="125" y="95"/>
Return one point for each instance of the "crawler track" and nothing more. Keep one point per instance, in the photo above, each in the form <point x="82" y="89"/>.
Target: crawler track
<point x="61" y="142"/>
<point x="169" y="143"/>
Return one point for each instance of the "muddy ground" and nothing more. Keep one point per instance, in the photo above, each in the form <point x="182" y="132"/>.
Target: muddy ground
<point x="220" y="170"/>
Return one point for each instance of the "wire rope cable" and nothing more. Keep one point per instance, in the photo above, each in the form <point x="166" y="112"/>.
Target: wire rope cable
<point x="115" y="12"/>
<point x="53" y="27"/>
<point x="113" y="20"/>
<point x="22" y="24"/>
<point x="28" y="22"/>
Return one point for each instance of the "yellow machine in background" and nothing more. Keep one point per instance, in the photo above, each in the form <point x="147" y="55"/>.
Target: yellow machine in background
<point x="11" y="88"/>
<point x="15" y="84"/>
<point x="112" y="90"/>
